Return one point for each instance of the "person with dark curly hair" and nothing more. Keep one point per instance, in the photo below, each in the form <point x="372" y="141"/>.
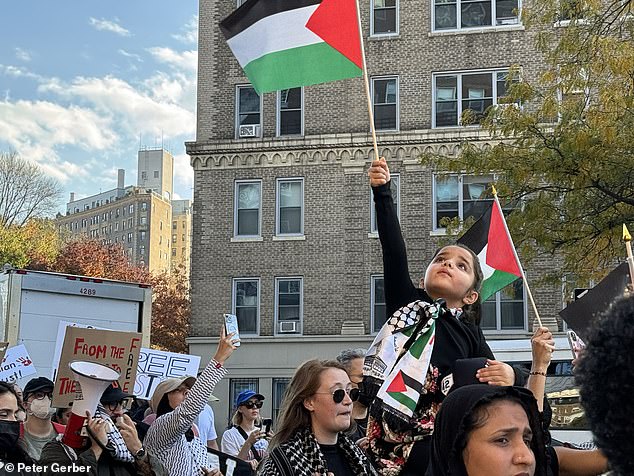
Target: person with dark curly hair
<point x="605" y="375"/>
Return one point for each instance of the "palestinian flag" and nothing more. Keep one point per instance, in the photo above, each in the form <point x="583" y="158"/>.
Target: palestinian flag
<point x="284" y="44"/>
<point x="490" y="239"/>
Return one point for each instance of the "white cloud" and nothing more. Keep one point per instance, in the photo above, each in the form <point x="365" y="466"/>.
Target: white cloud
<point x="18" y="72"/>
<point x="108" y="25"/>
<point x="187" y="60"/>
<point x="189" y="33"/>
<point x="130" y="55"/>
<point x="22" y="55"/>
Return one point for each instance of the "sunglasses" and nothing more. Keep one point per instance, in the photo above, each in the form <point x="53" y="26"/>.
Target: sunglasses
<point x="250" y="404"/>
<point x="40" y="395"/>
<point x="339" y="394"/>
<point x="125" y="404"/>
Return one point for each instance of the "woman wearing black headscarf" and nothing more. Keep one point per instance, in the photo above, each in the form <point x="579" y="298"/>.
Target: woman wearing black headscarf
<point x="487" y="430"/>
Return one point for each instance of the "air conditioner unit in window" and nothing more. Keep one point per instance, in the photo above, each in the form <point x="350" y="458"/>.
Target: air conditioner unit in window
<point x="252" y="130"/>
<point x="288" y="327"/>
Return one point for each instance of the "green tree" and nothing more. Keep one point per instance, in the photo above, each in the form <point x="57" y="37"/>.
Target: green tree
<point x="34" y="244"/>
<point x="564" y="143"/>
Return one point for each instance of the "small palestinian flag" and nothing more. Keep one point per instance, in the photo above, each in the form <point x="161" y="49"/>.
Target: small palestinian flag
<point x="284" y="44"/>
<point x="489" y="238"/>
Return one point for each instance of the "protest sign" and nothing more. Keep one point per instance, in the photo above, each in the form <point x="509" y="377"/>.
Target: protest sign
<point x="157" y="365"/>
<point x="119" y="350"/>
<point x="59" y="343"/>
<point x="16" y="364"/>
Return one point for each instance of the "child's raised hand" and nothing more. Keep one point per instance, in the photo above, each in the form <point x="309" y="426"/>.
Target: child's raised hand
<point x="496" y="373"/>
<point x="379" y="172"/>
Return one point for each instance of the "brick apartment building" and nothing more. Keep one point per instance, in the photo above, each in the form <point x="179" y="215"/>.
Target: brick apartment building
<point x="283" y="229"/>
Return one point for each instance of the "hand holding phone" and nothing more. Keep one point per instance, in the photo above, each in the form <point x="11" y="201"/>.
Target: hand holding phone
<point x="231" y="326"/>
<point x="576" y="344"/>
<point x="266" y="426"/>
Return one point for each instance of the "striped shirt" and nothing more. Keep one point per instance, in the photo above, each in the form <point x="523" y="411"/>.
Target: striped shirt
<point x="166" y="437"/>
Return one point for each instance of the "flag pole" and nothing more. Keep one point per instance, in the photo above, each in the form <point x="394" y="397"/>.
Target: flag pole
<point x="517" y="260"/>
<point x="367" y="85"/>
<point x="628" y="247"/>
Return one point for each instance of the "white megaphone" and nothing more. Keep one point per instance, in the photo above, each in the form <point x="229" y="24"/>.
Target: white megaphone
<point x="93" y="379"/>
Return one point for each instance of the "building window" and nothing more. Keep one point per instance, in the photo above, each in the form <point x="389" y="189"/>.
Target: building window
<point x="290" y="207"/>
<point x="290" y="105"/>
<point x="385" y="103"/>
<point x="237" y="385"/>
<point x="143" y="206"/>
<point x="144" y="176"/>
<point x="143" y="220"/>
<point x="289" y="305"/>
<point x="395" y="187"/>
<point x="248" y="117"/>
<point x="173" y="238"/>
<point x="174" y="225"/>
<point x="142" y="250"/>
<point x="156" y="174"/>
<point x="131" y="209"/>
<point x="377" y="298"/>
<point x="241" y="2"/>
<point x="246" y="304"/>
<point x="248" y="205"/>
<point x="460" y="196"/>
<point x="506" y="309"/>
<point x="173" y="251"/>
<point x="384" y="17"/>
<point x="459" y="92"/>
<point x="459" y="14"/>
<point x="129" y="237"/>
<point x="279" y="388"/>
<point x="142" y="236"/>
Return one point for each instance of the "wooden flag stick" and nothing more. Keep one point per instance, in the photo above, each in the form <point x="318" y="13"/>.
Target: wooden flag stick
<point x="517" y="260"/>
<point x="367" y="86"/>
<point x="628" y="247"/>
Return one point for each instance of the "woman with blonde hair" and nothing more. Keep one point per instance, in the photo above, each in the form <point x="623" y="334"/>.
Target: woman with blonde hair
<point x="244" y="439"/>
<point x="310" y="438"/>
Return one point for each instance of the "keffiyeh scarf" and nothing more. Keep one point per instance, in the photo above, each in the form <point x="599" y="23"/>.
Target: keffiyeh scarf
<point x="116" y="444"/>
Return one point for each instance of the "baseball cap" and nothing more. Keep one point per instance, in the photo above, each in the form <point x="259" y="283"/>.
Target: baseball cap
<point x="247" y="395"/>
<point x="113" y="394"/>
<point x="167" y="386"/>
<point x="35" y="385"/>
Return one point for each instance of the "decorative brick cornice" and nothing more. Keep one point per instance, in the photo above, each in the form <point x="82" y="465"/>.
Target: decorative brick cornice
<point x="349" y="150"/>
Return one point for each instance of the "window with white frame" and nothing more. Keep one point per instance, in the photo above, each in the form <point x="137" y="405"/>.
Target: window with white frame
<point x="385" y="103"/>
<point x="460" y="196"/>
<point x="455" y="93"/>
<point x="247" y="208"/>
<point x="384" y="17"/>
<point x="290" y="206"/>
<point x="290" y="115"/>
<point x="246" y="304"/>
<point x="241" y="2"/>
<point x="237" y="385"/>
<point x="570" y="10"/>
<point x="506" y="309"/>
<point x="289" y="305"/>
<point x="377" y="297"/>
<point x="248" y="112"/>
<point x="395" y="187"/>
<point x="465" y="14"/>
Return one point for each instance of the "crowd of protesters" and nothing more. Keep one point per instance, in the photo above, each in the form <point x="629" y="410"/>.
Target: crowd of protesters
<point x="427" y="397"/>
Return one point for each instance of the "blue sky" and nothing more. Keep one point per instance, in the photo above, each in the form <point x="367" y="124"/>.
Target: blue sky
<point x="82" y="81"/>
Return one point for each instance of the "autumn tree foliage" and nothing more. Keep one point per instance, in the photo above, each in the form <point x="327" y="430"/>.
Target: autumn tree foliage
<point x="565" y="138"/>
<point x="35" y="243"/>
<point x="171" y="307"/>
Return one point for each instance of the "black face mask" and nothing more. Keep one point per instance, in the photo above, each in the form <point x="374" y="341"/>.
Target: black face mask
<point x="9" y="434"/>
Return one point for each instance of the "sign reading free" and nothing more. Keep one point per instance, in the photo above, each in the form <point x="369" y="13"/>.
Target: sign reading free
<point x="157" y="365"/>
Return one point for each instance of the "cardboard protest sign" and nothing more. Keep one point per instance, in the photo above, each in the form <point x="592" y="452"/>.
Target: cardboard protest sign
<point x="115" y="349"/>
<point x="16" y="364"/>
<point x="157" y="365"/>
<point x="581" y="314"/>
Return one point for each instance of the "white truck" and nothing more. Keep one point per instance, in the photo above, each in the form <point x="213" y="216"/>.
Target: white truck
<point x="33" y="303"/>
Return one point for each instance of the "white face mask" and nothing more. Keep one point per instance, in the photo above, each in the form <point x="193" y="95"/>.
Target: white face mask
<point x="41" y="408"/>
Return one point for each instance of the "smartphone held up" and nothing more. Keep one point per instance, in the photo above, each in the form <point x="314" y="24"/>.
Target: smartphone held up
<point x="231" y="326"/>
<point x="576" y="344"/>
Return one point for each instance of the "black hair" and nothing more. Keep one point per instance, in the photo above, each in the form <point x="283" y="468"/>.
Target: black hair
<point x="471" y="312"/>
<point x="605" y="375"/>
<point x="17" y="454"/>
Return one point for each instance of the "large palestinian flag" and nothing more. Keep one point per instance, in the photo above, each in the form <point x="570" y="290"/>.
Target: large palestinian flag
<point x="283" y="44"/>
<point x="489" y="238"/>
